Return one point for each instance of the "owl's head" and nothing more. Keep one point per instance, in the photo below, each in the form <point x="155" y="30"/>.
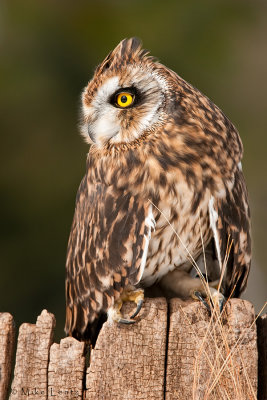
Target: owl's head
<point x="126" y="97"/>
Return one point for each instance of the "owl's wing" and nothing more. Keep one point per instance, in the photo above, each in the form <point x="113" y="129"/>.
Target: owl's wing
<point x="230" y="222"/>
<point x="106" y="251"/>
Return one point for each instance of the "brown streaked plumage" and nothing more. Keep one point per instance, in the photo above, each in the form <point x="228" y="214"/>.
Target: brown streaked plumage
<point x="171" y="150"/>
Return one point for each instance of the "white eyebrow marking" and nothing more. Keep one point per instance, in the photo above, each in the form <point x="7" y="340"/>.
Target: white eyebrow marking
<point x="106" y="90"/>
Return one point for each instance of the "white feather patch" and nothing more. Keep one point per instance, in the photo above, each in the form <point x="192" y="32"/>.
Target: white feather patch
<point x="106" y="126"/>
<point x="150" y="223"/>
<point x="106" y="90"/>
<point x="152" y="117"/>
<point x="106" y="281"/>
<point x="102" y="116"/>
<point x="112" y="315"/>
<point x="213" y="219"/>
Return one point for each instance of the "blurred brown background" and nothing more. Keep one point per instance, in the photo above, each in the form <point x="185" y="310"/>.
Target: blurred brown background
<point x="48" y="52"/>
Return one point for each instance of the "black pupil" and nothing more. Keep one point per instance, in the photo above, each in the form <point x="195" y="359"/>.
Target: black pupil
<point x="123" y="99"/>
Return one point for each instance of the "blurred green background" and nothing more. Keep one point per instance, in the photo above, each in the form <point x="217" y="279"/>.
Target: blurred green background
<point x="48" y="52"/>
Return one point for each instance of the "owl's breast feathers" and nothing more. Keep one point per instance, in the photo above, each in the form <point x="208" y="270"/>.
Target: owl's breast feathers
<point x="192" y="158"/>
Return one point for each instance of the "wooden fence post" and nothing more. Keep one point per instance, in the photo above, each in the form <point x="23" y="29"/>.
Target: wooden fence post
<point x="175" y="351"/>
<point x="211" y="357"/>
<point x="66" y="369"/>
<point x="30" y="375"/>
<point x="128" y="360"/>
<point x="7" y="344"/>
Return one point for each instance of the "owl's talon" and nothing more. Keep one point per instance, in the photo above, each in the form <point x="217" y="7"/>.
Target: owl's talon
<point x="138" y="308"/>
<point x="201" y="298"/>
<point x="126" y="321"/>
<point x="216" y="299"/>
<point x="221" y="304"/>
<point x="114" y="312"/>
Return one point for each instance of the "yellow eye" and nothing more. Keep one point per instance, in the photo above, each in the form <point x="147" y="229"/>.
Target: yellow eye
<point x="124" y="99"/>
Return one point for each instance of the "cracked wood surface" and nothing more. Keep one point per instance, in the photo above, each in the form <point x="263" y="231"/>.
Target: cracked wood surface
<point x="7" y="344"/>
<point x="128" y="360"/>
<point x="30" y="375"/>
<point x="204" y="356"/>
<point x="212" y="357"/>
<point x="66" y="369"/>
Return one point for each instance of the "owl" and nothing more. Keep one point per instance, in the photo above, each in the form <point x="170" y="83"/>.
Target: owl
<point x="163" y="202"/>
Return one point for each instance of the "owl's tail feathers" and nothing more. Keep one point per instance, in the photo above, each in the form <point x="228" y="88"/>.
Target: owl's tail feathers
<point x="77" y="324"/>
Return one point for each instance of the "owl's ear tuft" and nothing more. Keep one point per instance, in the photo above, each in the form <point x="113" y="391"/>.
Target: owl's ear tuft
<point x="126" y="52"/>
<point x="131" y="49"/>
<point x="129" y="46"/>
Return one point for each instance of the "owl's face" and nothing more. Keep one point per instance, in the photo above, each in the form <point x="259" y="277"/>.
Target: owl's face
<point x="126" y="97"/>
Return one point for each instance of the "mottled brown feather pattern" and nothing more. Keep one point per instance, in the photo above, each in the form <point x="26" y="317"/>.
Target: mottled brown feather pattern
<point x="187" y="154"/>
<point x="104" y="251"/>
<point x="233" y="228"/>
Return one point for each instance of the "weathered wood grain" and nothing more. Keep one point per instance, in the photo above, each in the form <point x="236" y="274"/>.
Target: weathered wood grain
<point x="66" y="369"/>
<point x="128" y="360"/>
<point x="212" y="358"/>
<point x="7" y="343"/>
<point x="171" y="352"/>
<point x="30" y="375"/>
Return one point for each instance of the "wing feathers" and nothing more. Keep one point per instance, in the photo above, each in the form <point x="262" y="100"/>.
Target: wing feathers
<point x="233" y="230"/>
<point x="105" y="250"/>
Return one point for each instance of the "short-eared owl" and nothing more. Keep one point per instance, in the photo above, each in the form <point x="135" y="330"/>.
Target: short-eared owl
<point x="163" y="186"/>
